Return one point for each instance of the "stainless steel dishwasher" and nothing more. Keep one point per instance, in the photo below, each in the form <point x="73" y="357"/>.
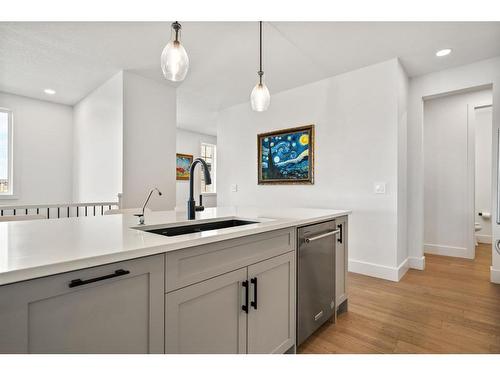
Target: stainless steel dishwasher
<point x="316" y="277"/>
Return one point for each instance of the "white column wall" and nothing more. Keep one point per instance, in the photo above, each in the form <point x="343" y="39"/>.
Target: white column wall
<point x="149" y="132"/>
<point x="98" y="142"/>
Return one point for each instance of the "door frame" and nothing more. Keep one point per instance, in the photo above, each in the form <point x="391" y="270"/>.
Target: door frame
<point x="471" y="174"/>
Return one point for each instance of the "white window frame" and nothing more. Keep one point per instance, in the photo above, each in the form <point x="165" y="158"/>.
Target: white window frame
<point x="213" y="172"/>
<point x="10" y="172"/>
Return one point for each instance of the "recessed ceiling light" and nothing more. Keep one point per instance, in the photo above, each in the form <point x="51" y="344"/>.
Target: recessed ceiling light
<point x="443" y="52"/>
<point x="49" y="91"/>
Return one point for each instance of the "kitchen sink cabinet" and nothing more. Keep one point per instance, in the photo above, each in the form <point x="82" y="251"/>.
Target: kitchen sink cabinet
<point x="249" y="310"/>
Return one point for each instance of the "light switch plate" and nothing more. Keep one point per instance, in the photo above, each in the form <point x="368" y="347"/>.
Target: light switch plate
<point x="234" y="188"/>
<point x="379" y="187"/>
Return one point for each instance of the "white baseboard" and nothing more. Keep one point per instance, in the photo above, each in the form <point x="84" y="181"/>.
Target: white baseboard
<point x="494" y="275"/>
<point x="484" y="238"/>
<point x="417" y="263"/>
<point x="450" y="251"/>
<point x="378" y="270"/>
<point x="403" y="268"/>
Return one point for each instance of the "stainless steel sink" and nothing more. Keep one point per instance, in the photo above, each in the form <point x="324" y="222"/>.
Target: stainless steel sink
<point x="197" y="227"/>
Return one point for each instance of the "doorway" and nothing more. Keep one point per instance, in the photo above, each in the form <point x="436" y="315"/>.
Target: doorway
<point x="456" y="125"/>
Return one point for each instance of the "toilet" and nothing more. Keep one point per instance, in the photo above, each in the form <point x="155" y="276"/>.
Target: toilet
<point x="477" y="228"/>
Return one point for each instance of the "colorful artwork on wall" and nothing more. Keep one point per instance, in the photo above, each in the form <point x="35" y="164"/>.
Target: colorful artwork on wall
<point x="182" y="164"/>
<point x="286" y="156"/>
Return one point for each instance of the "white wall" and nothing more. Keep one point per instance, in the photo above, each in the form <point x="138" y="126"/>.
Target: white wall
<point x="448" y="141"/>
<point x="189" y="142"/>
<point x="473" y="75"/>
<point x="483" y="132"/>
<point x="43" y="139"/>
<point x="98" y="142"/>
<point x="149" y="127"/>
<point x="357" y="129"/>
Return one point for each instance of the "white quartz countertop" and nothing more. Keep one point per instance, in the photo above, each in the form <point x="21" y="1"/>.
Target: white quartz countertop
<point x="37" y="248"/>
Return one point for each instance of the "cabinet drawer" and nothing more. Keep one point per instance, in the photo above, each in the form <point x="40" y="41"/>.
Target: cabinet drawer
<point x="189" y="266"/>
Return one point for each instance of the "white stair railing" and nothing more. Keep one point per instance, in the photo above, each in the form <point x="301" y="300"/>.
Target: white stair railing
<point x="59" y="210"/>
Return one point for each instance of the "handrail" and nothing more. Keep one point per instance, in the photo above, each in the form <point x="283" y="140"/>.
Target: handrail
<point x="55" y="205"/>
<point x="59" y="210"/>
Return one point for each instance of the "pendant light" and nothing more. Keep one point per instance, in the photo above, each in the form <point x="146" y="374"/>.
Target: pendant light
<point x="260" y="97"/>
<point x="174" y="59"/>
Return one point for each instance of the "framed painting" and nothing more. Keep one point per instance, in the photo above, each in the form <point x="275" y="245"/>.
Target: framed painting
<point x="182" y="164"/>
<point x="286" y="156"/>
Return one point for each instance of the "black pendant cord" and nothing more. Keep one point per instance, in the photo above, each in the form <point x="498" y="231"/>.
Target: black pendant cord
<point x="176" y="26"/>
<point x="260" y="72"/>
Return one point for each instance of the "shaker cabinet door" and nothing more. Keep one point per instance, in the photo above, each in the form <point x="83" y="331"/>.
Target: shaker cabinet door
<point x="271" y="316"/>
<point x="207" y="317"/>
<point x="115" y="308"/>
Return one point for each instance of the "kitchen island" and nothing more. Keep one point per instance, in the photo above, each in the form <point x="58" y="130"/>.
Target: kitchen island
<point x="107" y="285"/>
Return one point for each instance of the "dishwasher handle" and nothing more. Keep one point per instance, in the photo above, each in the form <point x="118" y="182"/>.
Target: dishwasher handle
<point x="327" y="234"/>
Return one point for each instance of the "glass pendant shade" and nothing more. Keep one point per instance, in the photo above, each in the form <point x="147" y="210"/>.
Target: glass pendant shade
<point x="260" y="97"/>
<point x="174" y="61"/>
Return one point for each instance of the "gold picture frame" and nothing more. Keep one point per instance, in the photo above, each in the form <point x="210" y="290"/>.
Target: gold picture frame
<point x="281" y="175"/>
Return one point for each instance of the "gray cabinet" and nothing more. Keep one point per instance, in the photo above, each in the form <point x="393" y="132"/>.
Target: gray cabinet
<point x="115" y="308"/>
<point x="271" y="318"/>
<point x="233" y="296"/>
<point x="341" y="262"/>
<point x="208" y="317"/>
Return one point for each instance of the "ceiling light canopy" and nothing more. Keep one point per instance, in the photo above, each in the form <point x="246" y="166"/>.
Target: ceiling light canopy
<point x="174" y="59"/>
<point x="443" y="52"/>
<point x="260" y="97"/>
<point x="49" y="91"/>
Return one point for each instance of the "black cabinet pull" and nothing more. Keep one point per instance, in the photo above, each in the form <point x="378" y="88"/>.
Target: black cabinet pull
<point x="245" y="306"/>
<point x="339" y="240"/>
<point x="79" y="282"/>
<point x="254" y="302"/>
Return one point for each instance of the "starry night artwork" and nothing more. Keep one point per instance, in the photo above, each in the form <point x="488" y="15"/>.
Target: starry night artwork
<point x="286" y="156"/>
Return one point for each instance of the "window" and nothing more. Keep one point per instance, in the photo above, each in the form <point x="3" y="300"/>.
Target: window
<point x="208" y="153"/>
<point x="5" y="152"/>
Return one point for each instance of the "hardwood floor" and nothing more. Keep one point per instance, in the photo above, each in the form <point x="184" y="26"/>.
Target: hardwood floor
<point x="451" y="307"/>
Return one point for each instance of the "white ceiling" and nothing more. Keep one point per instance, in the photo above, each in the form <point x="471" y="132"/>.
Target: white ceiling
<point x="74" y="57"/>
